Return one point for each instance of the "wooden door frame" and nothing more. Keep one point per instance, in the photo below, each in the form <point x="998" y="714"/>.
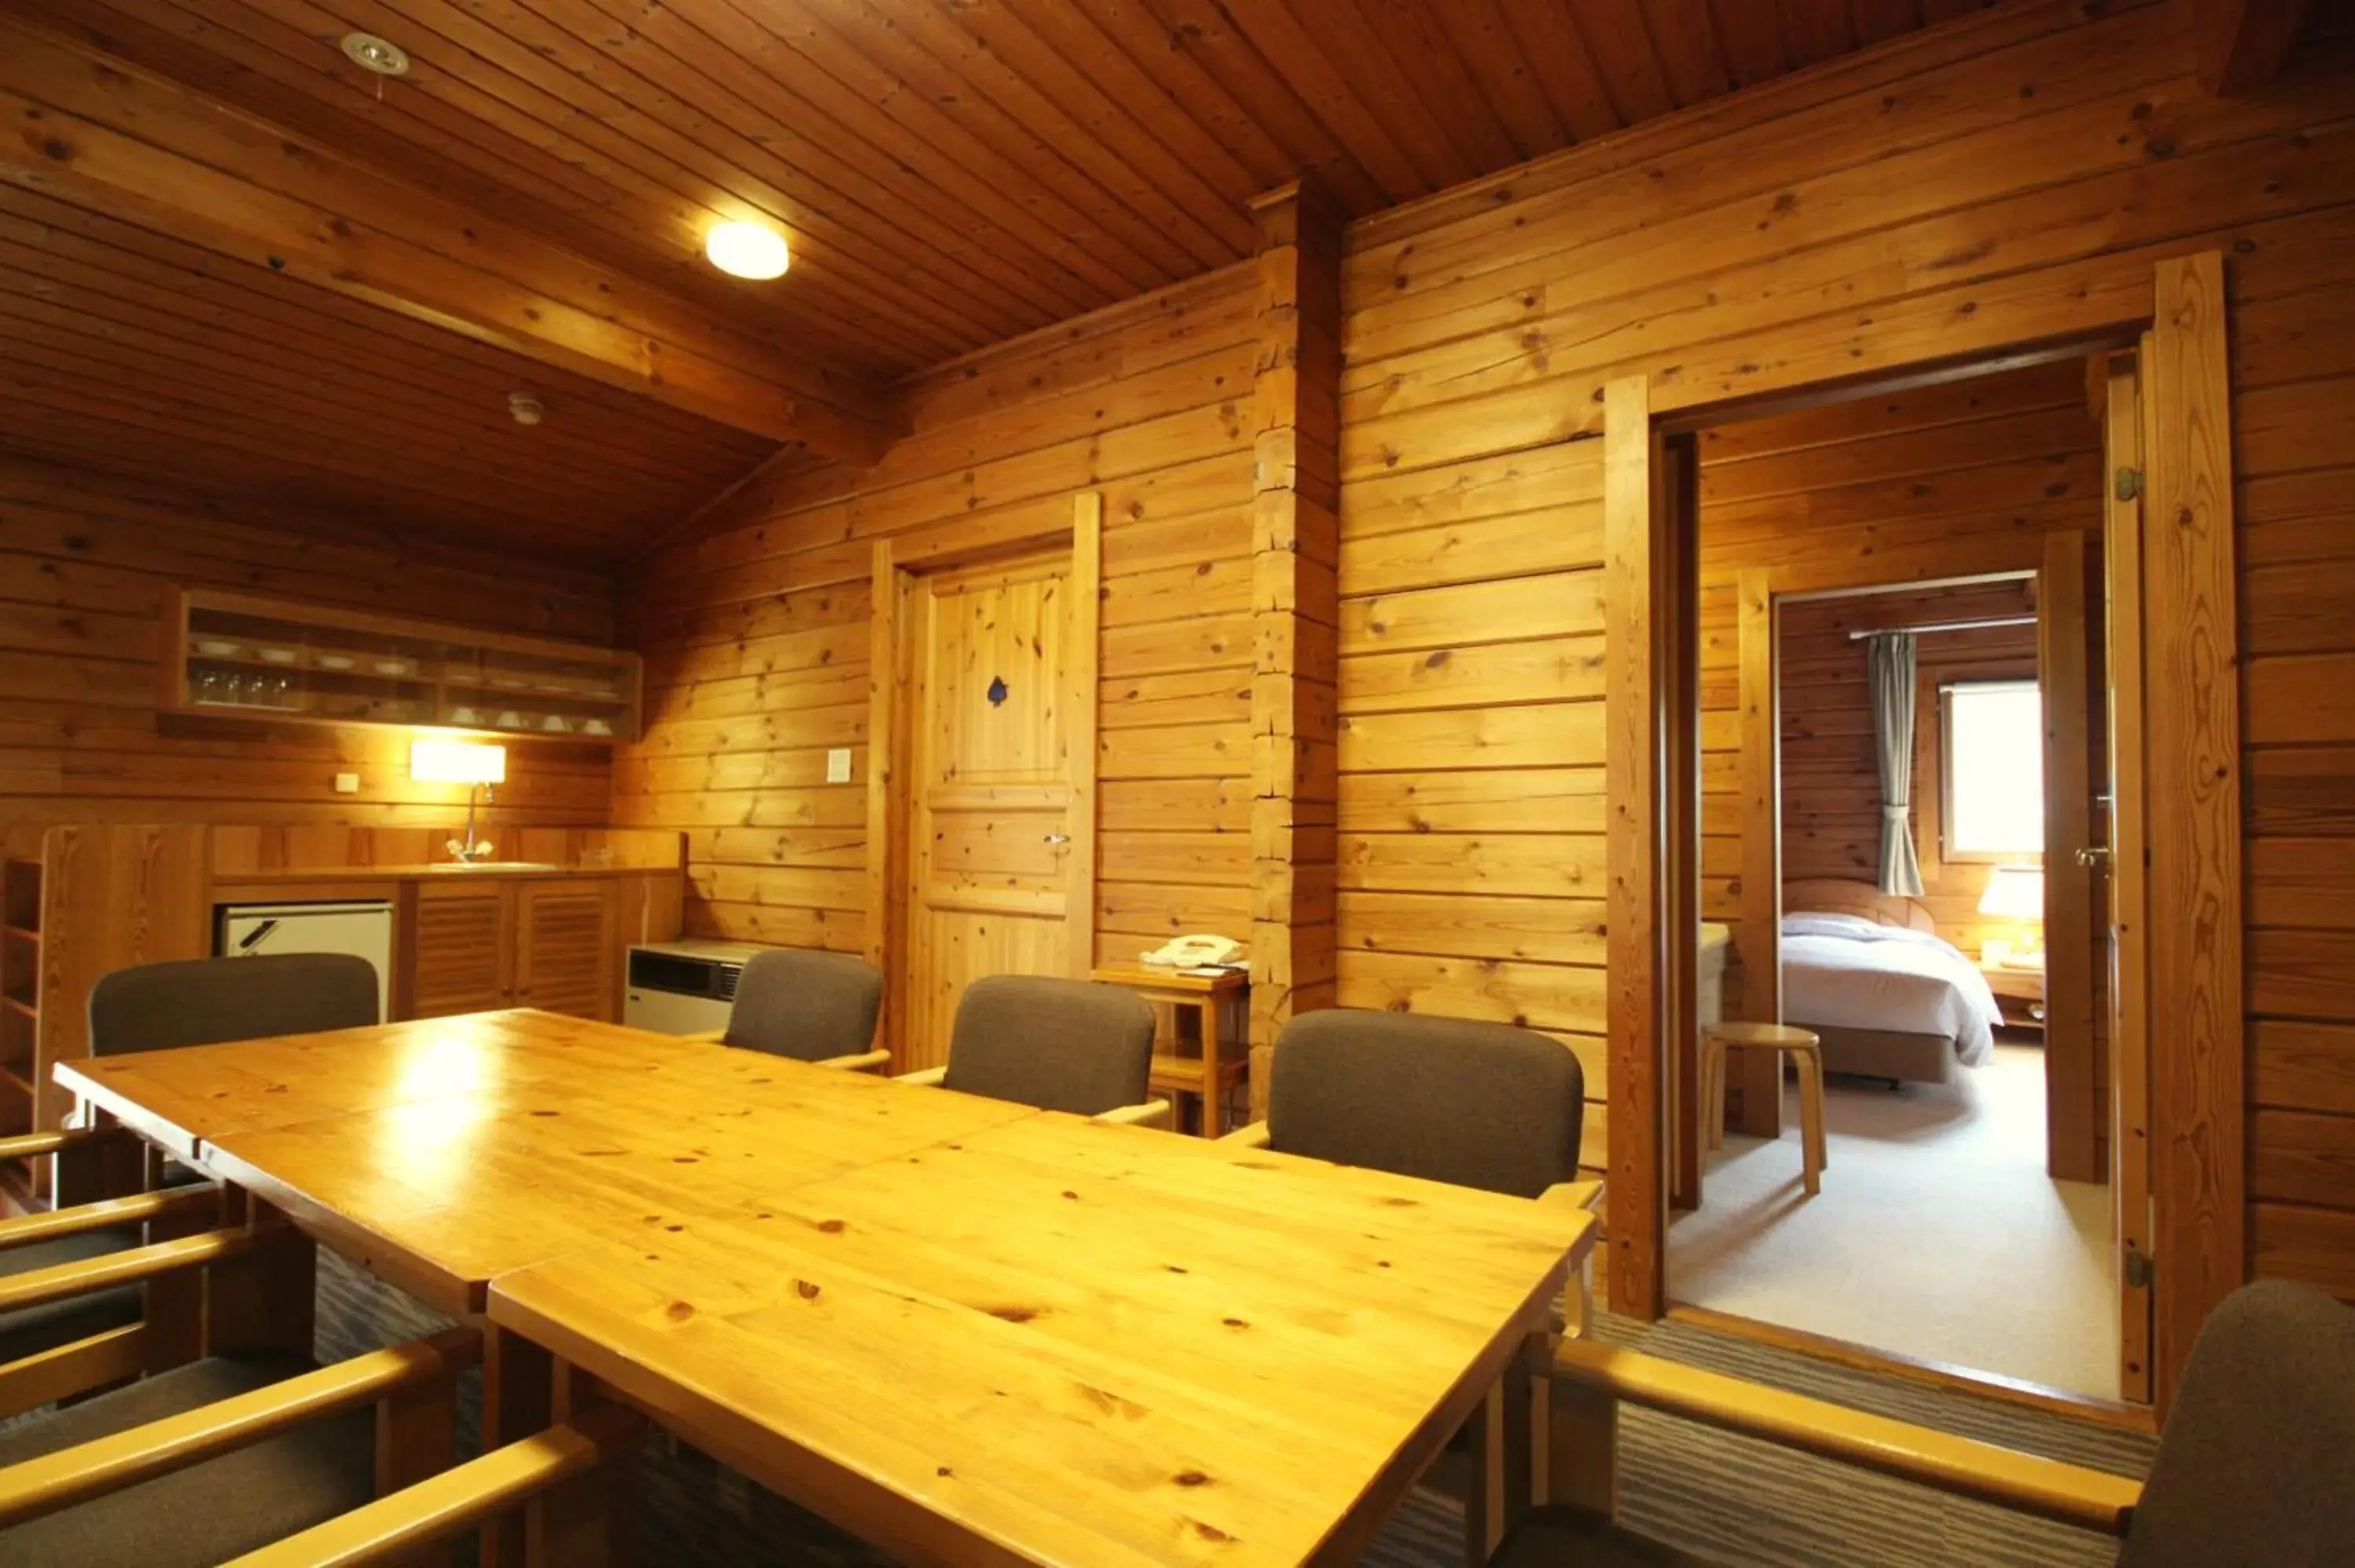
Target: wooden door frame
<point x="2192" y="758"/>
<point x="895" y="570"/>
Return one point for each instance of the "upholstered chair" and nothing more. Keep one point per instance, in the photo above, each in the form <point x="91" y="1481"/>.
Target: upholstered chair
<point x="1059" y="1044"/>
<point x="811" y="1006"/>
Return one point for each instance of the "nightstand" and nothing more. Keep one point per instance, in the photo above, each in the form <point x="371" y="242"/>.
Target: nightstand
<point x="2019" y="993"/>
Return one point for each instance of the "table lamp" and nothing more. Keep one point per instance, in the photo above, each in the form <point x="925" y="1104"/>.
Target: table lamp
<point x="2016" y="892"/>
<point x="473" y="763"/>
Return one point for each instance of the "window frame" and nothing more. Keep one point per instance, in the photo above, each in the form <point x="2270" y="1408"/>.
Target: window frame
<point x="1947" y="852"/>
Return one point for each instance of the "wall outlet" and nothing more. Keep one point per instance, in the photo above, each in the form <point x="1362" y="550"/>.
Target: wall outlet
<point x="348" y="783"/>
<point x="837" y="765"/>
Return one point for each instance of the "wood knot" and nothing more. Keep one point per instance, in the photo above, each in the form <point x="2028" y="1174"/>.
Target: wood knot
<point x="806" y="1288"/>
<point x="679" y="1311"/>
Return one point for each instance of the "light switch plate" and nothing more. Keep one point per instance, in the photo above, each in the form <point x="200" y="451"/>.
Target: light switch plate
<point x="348" y="783"/>
<point x="837" y="765"/>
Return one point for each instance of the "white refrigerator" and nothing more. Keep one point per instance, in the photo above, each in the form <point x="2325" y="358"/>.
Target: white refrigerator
<point x="362" y="929"/>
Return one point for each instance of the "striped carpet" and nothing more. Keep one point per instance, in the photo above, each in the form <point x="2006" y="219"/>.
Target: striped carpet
<point x="1724" y="1499"/>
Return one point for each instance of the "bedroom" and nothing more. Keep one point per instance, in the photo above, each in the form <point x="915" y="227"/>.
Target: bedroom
<point x="1961" y="1022"/>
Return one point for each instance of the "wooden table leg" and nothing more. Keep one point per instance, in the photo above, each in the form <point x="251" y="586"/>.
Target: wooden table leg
<point x="1211" y="1095"/>
<point x="1582" y="1449"/>
<point x="518" y="1399"/>
<point x="1502" y="1486"/>
<point x="1811" y="1118"/>
<point x="590" y="1520"/>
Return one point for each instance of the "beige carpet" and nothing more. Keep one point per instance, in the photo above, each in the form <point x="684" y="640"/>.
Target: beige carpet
<point x="1937" y="1234"/>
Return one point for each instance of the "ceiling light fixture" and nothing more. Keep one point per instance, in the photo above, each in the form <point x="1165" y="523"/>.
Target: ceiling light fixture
<point x="526" y="407"/>
<point x="747" y="250"/>
<point x="381" y="56"/>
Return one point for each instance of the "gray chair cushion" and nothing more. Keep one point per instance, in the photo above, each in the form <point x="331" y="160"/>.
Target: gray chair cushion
<point x="2257" y="1462"/>
<point x="1059" y="1044"/>
<point x="29" y="1330"/>
<point x="203" y="1002"/>
<point x="807" y="1005"/>
<point x="1448" y="1099"/>
<point x="209" y="1512"/>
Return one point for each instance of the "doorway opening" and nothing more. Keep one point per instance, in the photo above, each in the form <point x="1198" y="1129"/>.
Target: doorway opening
<point x="1901" y="677"/>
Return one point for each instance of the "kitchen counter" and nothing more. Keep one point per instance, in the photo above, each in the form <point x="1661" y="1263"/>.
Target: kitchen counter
<point x="279" y="875"/>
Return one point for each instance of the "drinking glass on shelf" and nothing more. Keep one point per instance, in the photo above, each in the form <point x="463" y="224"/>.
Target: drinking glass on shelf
<point x="208" y="687"/>
<point x="281" y="692"/>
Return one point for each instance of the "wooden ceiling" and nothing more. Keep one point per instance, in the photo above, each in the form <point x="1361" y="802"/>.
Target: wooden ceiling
<point x="952" y="172"/>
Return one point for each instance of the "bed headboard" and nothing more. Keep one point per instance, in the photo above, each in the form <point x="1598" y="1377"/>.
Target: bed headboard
<point x="1828" y="895"/>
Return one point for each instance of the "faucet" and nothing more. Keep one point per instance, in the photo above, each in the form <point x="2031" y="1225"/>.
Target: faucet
<point x="465" y="848"/>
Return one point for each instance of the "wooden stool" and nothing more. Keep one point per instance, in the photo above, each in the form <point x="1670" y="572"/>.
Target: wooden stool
<point x="1213" y="1072"/>
<point x="1804" y="1047"/>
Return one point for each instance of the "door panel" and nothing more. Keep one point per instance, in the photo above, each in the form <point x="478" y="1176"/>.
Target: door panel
<point x="990" y="819"/>
<point x="564" y="948"/>
<point x="458" y="951"/>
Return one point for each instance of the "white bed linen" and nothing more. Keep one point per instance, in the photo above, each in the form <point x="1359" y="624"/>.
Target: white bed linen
<point x="1849" y="973"/>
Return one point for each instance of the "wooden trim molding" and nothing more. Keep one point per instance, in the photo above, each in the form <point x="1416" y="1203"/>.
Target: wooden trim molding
<point x="1635" y="751"/>
<point x="2193" y="721"/>
<point x="1295" y="616"/>
<point x="1080" y="680"/>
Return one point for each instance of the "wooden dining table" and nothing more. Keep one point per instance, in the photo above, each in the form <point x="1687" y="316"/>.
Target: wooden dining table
<point x="963" y="1328"/>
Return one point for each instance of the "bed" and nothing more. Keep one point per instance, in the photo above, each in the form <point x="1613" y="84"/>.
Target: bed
<point x="1867" y="972"/>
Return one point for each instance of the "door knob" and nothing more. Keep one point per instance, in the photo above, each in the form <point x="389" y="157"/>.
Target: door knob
<point x="2094" y="855"/>
<point x="1059" y="838"/>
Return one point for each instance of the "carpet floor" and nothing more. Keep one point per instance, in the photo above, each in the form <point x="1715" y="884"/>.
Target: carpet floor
<point x="1937" y="1234"/>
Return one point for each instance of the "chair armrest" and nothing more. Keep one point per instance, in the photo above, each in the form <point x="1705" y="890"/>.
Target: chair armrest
<point x="1253" y="1135"/>
<point x="392" y="1528"/>
<point x="705" y="1036"/>
<point x="929" y="1077"/>
<point x="860" y="1062"/>
<point x="44" y="1483"/>
<point x="32" y="1145"/>
<point x="36" y="1285"/>
<point x="2025" y="1483"/>
<point x="1151" y="1113"/>
<point x="22" y="1230"/>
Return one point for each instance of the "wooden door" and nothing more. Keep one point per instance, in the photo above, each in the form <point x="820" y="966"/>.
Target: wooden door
<point x="2130" y="1001"/>
<point x="564" y="948"/>
<point x="461" y="940"/>
<point x="999" y="747"/>
<point x="2072" y="1108"/>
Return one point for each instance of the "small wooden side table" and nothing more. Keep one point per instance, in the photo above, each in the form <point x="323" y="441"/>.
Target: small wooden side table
<point x="2019" y="991"/>
<point x="1804" y="1047"/>
<point x="1211" y="1073"/>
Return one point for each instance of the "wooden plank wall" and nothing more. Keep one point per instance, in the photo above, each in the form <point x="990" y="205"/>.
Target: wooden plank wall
<point x="755" y="629"/>
<point x="2011" y="177"/>
<point x="85" y="565"/>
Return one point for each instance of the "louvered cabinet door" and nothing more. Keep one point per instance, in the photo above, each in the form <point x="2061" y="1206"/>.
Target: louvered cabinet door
<point x="564" y="948"/>
<point x="459" y="947"/>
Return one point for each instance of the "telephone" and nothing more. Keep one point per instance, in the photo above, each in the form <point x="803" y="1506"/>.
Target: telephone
<point x="1202" y="952"/>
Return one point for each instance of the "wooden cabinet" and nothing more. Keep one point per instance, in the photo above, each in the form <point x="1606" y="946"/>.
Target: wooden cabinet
<point x="473" y="947"/>
<point x="460" y="950"/>
<point x="564" y="950"/>
<point x="229" y="655"/>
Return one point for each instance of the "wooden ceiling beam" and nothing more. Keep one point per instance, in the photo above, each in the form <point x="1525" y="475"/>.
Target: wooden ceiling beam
<point x="2244" y="43"/>
<point x="103" y="135"/>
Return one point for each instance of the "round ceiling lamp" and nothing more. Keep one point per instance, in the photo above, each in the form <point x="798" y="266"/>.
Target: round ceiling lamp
<point x="379" y="54"/>
<point x="747" y="250"/>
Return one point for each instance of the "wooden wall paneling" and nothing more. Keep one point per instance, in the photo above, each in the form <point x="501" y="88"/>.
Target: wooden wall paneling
<point x="1758" y="1074"/>
<point x="1295" y="544"/>
<point x="2195" y="887"/>
<point x="2129" y="976"/>
<point x="2070" y="1113"/>
<point x="2242" y="44"/>
<point x="1082" y="664"/>
<point x="1636" y="748"/>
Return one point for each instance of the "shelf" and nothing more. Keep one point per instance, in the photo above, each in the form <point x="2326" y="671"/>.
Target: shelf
<point x="19" y="933"/>
<point x="17" y="1080"/>
<point x="14" y="1001"/>
<point x="445" y="669"/>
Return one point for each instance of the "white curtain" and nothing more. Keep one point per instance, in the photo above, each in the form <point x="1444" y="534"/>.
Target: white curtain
<point x="1889" y="663"/>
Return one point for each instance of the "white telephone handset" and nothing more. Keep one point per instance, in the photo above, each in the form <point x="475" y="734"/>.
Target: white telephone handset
<point x="1200" y="951"/>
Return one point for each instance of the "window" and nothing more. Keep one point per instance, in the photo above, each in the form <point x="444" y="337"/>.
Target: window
<point x="1993" y="750"/>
